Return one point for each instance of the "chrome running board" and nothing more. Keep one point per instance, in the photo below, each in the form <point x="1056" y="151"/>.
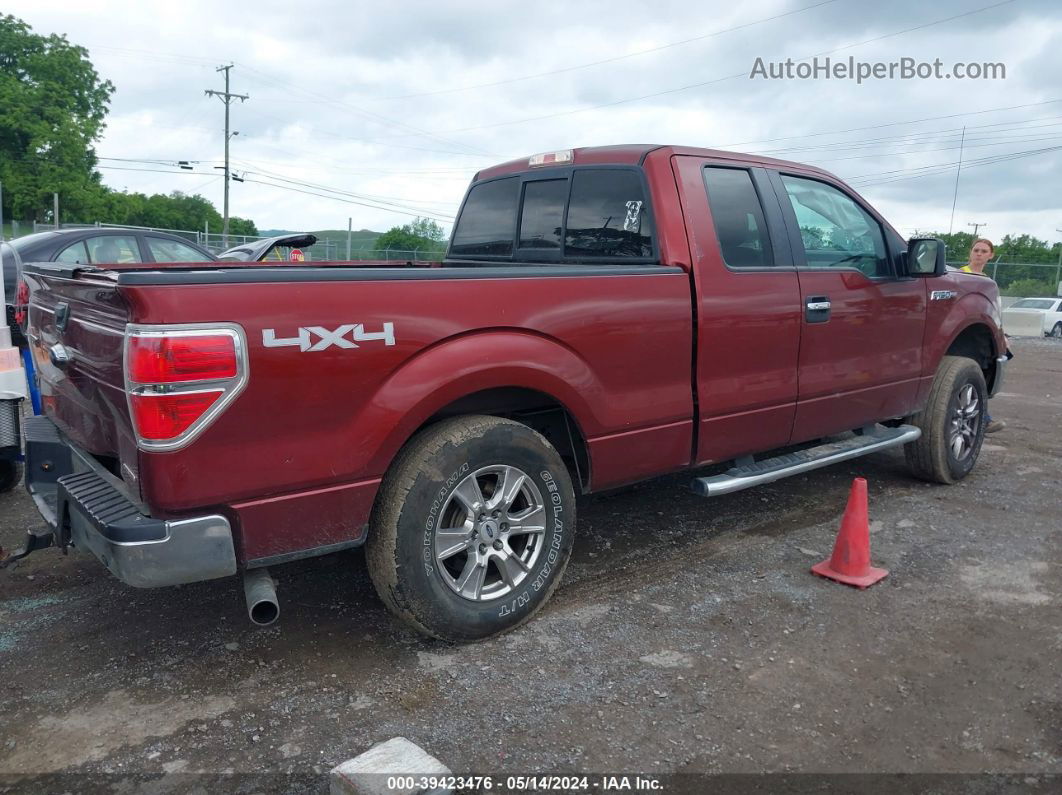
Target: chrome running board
<point x="755" y="473"/>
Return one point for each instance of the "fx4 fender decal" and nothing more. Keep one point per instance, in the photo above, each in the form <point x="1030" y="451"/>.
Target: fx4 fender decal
<point x="346" y="336"/>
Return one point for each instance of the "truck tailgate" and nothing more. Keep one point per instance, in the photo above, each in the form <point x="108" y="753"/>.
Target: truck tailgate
<point x="76" y="333"/>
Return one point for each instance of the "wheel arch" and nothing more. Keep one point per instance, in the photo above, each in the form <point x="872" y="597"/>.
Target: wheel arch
<point x="527" y="377"/>
<point x="537" y="410"/>
<point x="976" y="342"/>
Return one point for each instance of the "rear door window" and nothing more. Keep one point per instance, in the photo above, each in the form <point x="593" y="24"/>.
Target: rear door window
<point x="487" y="225"/>
<point x="163" y="250"/>
<point x="74" y="254"/>
<point x="608" y="215"/>
<point x="113" y="249"/>
<point x="738" y="218"/>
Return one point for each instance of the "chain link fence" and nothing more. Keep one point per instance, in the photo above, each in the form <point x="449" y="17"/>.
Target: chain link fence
<point x="1025" y="279"/>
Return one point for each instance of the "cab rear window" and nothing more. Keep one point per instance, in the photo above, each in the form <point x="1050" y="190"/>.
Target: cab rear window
<point x="608" y="216"/>
<point x="578" y="215"/>
<point x="488" y="220"/>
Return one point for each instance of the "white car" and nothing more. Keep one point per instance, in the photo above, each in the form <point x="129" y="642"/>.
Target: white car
<point x="1033" y="317"/>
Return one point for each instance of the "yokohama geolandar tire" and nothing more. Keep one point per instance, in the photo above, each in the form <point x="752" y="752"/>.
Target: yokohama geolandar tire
<point x="953" y="423"/>
<point x="472" y="528"/>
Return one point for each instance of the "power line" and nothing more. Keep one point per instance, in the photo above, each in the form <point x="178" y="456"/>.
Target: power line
<point x="742" y="74"/>
<point x="336" y="191"/>
<point x="413" y="212"/>
<point x="250" y="166"/>
<point x="372" y="141"/>
<point x="886" y="154"/>
<point x="602" y="61"/>
<point x="154" y="171"/>
<point x="943" y="168"/>
<point x="437" y="217"/>
<point x="944" y="165"/>
<point x="154" y="54"/>
<point x="926" y="134"/>
<point x="375" y="117"/>
<point x="892" y="124"/>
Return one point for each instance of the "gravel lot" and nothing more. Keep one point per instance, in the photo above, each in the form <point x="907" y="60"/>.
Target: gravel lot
<point x="688" y="637"/>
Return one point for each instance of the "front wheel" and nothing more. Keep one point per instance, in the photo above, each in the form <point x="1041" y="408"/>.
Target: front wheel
<point x="1056" y="331"/>
<point x="952" y="423"/>
<point x="472" y="528"/>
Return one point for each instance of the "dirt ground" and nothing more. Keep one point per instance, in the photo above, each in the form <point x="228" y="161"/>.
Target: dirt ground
<point x="688" y="637"/>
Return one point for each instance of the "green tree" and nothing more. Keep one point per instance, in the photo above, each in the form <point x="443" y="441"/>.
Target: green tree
<point x="241" y="226"/>
<point x="1044" y="287"/>
<point x="422" y="235"/>
<point x="52" y="109"/>
<point x="1012" y="253"/>
<point x="174" y="211"/>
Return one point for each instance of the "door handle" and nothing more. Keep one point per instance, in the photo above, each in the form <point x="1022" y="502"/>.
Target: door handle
<point x="817" y="309"/>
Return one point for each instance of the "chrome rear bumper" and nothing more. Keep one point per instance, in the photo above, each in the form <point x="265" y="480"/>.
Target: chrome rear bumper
<point x="87" y="509"/>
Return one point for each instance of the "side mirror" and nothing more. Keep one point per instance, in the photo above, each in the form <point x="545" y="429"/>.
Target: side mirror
<point x="926" y="256"/>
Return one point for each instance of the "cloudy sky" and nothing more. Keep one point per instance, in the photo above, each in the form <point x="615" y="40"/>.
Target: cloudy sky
<point x="386" y="110"/>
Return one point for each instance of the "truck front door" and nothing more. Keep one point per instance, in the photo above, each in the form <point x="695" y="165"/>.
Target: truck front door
<point x="862" y="320"/>
<point x="747" y="305"/>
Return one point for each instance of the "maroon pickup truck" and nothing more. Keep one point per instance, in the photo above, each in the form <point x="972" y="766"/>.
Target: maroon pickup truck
<point x="602" y="316"/>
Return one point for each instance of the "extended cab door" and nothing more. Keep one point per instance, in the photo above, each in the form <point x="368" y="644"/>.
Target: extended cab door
<point x="747" y="303"/>
<point x="862" y="320"/>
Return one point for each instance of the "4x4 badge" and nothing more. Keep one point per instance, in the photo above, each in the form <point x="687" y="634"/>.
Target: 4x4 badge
<point x="327" y="338"/>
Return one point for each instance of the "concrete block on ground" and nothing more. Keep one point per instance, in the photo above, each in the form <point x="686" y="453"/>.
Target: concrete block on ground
<point x="368" y="773"/>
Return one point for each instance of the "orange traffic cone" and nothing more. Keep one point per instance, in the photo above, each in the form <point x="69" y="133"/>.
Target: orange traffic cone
<point x="850" y="561"/>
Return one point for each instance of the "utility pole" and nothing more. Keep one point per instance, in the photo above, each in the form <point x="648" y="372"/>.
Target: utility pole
<point x="226" y="97"/>
<point x="976" y="227"/>
<point x="1058" y="270"/>
<point x="55" y="209"/>
<point x="350" y="221"/>
<point x="955" y="195"/>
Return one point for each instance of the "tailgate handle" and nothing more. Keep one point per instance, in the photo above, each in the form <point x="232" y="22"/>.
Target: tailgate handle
<point x="59" y="355"/>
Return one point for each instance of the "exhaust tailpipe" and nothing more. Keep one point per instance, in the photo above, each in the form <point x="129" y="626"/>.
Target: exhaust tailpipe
<point x="261" y="593"/>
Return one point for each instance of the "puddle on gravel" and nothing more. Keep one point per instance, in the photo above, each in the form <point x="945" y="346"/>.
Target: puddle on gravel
<point x="1007" y="583"/>
<point x="90" y="733"/>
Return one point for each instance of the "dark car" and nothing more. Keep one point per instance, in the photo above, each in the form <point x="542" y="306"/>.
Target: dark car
<point x="93" y="245"/>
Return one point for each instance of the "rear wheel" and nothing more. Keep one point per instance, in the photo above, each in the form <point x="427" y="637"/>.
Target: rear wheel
<point x="10" y="475"/>
<point x="952" y="423"/>
<point x="472" y="528"/>
<point x="1057" y="330"/>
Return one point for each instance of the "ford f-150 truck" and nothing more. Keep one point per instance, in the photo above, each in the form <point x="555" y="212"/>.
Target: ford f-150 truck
<point x="602" y="316"/>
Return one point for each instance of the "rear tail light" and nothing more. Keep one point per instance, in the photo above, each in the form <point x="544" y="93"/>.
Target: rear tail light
<point x="170" y="360"/>
<point x="164" y="417"/>
<point x="179" y="379"/>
